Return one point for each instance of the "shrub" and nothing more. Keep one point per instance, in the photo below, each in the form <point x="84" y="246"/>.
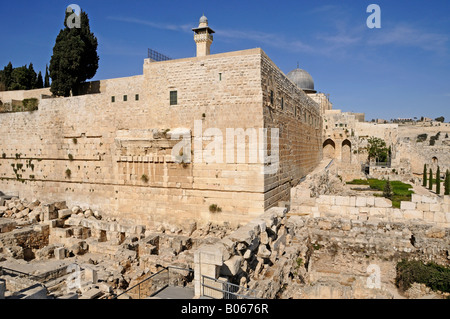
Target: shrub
<point x="70" y="157"/>
<point x="68" y="173"/>
<point x="30" y="104"/>
<point x="213" y="208"/>
<point x="434" y="276"/>
<point x="421" y="138"/>
<point x="144" y="178"/>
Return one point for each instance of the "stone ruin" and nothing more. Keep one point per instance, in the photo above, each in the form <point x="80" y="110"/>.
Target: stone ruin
<point x="43" y="244"/>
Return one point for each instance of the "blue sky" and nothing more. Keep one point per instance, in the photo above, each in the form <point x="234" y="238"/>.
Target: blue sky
<point x="399" y="70"/>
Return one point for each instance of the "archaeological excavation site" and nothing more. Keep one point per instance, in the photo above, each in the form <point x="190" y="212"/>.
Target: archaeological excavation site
<point x="218" y="177"/>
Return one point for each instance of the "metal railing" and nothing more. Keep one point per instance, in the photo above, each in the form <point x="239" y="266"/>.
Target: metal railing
<point x="219" y="289"/>
<point x="155" y="283"/>
<point x="156" y="56"/>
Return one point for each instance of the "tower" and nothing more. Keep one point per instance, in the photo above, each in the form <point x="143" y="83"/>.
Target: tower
<point x="203" y="37"/>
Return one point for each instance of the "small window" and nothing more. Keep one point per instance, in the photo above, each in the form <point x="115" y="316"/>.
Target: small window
<point x="271" y="97"/>
<point x="113" y="99"/>
<point x="125" y="98"/>
<point x="220" y="76"/>
<point x="282" y="103"/>
<point x="173" y="97"/>
<point x="137" y="97"/>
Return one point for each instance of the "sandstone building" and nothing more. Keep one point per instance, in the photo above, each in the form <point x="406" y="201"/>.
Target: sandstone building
<point x="112" y="147"/>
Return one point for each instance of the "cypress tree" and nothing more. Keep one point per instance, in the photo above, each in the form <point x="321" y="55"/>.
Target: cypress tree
<point x="46" y="78"/>
<point x="7" y="75"/>
<point x="430" y="182"/>
<point x="31" y="77"/>
<point x="39" y="81"/>
<point x="447" y="183"/>
<point x="387" y="191"/>
<point x="424" y="178"/>
<point x="74" y="58"/>
<point x="438" y="181"/>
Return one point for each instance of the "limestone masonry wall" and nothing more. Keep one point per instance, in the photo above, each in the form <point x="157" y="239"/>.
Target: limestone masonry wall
<point x="433" y="210"/>
<point x="111" y="149"/>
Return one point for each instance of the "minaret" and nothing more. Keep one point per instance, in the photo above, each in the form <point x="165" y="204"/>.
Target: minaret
<point x="203" y="37"/>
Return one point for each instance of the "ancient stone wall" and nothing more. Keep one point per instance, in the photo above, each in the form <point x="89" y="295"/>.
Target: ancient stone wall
<point x="433" y="210"/>
<point x="299" y="121"/>
<point x="112" y="150"/>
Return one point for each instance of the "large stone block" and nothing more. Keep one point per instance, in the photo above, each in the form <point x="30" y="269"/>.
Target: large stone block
<point x="60" y="253"/>
<point x="342" y="201"/>
<point x="439" y="217"/>
<point x="91" y="275"/>
<point x="382" y="202"/>
<point x="231" y="266"/>
<point x="326" y="199"/>
<point x="435" y="207"/>
<point x="423" y="207"/>
<point x="429" y="199"/>
<point x="361" y="201"/>
<point x="415" y="198"/>
<point x="64" y="213"/>
<point x="413" y="214"/>
<point x="428" y="216"/>
<point x="407" y="205"/>
<point x="377" y="211"/>
<point x="210" y="254"/>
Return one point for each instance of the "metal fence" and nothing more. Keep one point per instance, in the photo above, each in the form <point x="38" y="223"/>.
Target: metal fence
<point x="219" y="289"/>
<point x="150" y="286"/>
<point x="156" y="56"/>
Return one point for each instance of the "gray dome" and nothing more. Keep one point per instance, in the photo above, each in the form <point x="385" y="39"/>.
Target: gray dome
<point x="303" y="80"/>
<point x="203" y="19"/>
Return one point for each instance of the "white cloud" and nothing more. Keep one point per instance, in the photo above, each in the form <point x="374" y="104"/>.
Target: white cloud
<point x="405" y="35"/>
<point x="157" y="25"/>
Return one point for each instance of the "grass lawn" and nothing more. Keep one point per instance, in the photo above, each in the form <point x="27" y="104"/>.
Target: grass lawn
<point x="401" y="190"/>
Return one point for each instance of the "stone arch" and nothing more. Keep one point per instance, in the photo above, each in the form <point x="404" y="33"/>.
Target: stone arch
<point x="346" y="152"/>
<point x="329" y="149"/>
<point x="434" y="160"/>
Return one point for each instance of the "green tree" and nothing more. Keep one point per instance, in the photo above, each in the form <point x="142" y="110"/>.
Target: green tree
<point x="430" y="180"/>
<point x="447" y="183"/>
<point x="46" y="78"/>
<point x="387" y="191"/>
<point x="7" y="74"/>
<point x="74" y="58"/>
<point x="438" y="181"/>
<point x="440" y="119"/>
<point x="39" y="81"/>
<point x="424" y="178"/>
<point x="19" y="78"/>
<point x="31" y="78"/>
<point x="377" y="149"/>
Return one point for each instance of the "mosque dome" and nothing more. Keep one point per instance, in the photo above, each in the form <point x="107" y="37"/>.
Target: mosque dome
<point x="203" y="19"/>
<point x="303" y="80"/>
